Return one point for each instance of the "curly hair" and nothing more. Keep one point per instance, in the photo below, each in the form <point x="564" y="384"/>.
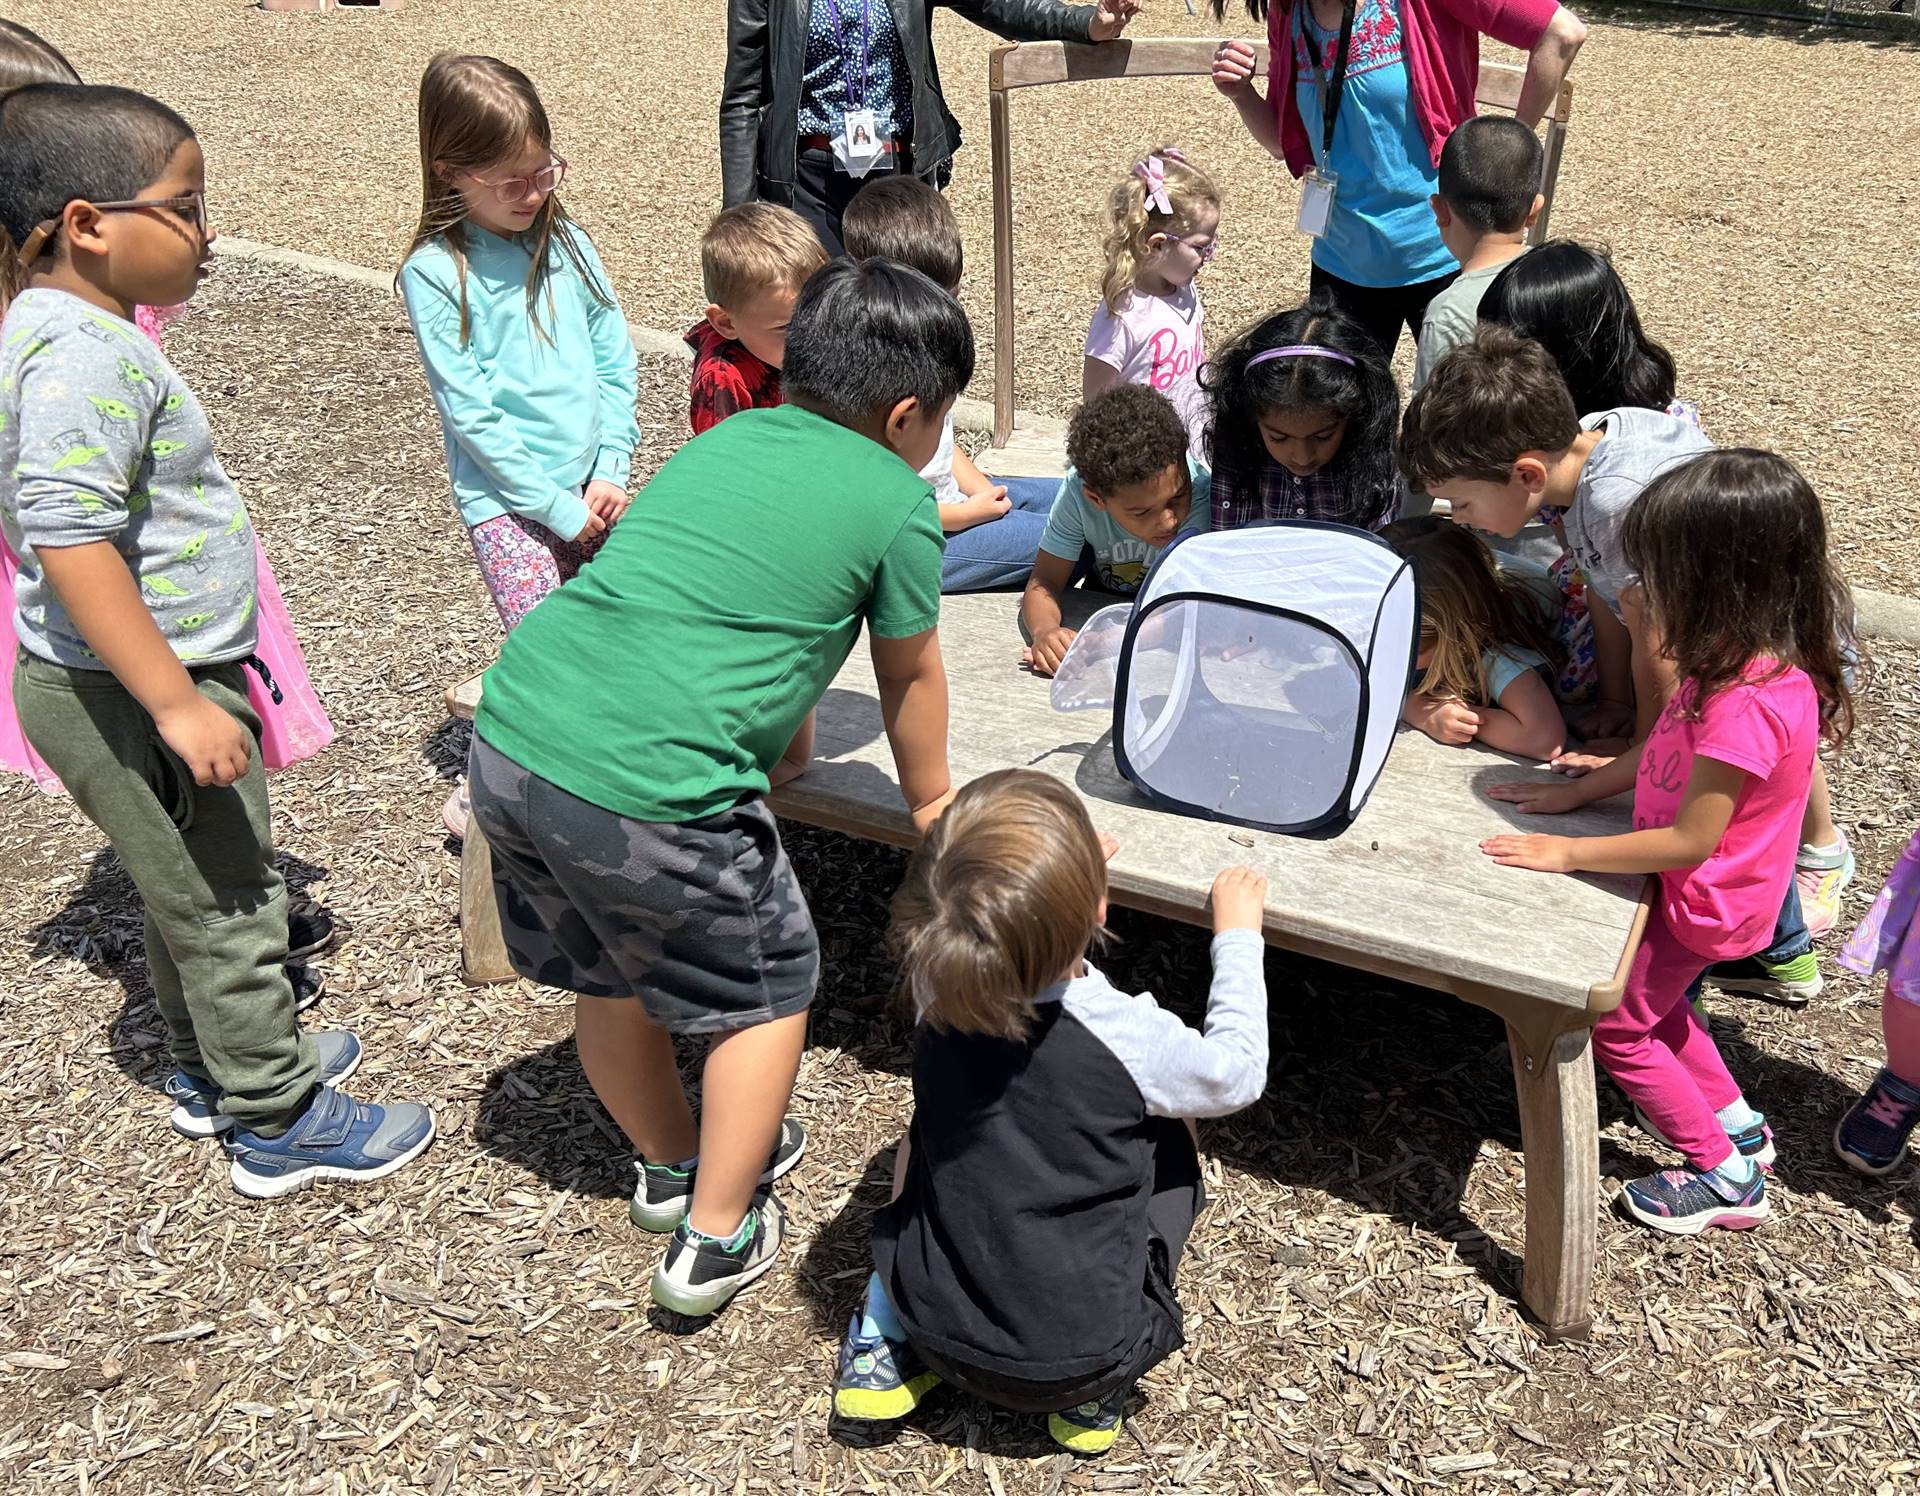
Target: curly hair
<point x="1124" y="435"/>
<point x="1132" y="221"/>
<point x="1363" y="391"/>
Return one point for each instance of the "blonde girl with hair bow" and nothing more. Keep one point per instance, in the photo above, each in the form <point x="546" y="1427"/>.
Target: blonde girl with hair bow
<point x="1163" y="223"/>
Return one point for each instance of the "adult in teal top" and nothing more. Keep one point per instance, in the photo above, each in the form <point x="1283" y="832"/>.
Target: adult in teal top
<point x="531" y="410"/>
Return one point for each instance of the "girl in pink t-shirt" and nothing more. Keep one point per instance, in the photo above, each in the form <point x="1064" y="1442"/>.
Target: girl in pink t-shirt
<point x="1755" y="632"/>
<point x="1163" y="221"/>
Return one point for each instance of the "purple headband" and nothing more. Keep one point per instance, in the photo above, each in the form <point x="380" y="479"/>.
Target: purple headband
<point x="1300" y="350"/>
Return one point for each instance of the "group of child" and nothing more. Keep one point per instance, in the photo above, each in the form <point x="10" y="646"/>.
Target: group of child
<point x="1684" y="617"/>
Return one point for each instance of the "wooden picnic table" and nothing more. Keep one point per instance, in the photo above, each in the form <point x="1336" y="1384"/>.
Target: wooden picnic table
<point x="1403" y="892"/>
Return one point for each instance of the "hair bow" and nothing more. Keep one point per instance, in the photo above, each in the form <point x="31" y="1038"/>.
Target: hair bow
<point x="1153" y="173"/>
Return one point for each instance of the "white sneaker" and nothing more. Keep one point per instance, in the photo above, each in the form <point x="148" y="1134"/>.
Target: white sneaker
<point x="457" y="812"/>
<point x="697" y="1278"/>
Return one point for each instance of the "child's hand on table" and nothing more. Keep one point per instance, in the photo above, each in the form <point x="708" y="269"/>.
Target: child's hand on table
<point x="213" y="746"/>
<point x="1044" y="655"/>
<point x="607" y="500"/>
<point x="1537" y="799"/>
<point x="1543" y="854"/>
<point x="1239" y="899"/>
<point x="1445" y="719"/>
<point x="1578" y="765"/>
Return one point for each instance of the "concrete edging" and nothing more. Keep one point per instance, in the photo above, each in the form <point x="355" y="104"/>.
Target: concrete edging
<point x="1882" y="615"/>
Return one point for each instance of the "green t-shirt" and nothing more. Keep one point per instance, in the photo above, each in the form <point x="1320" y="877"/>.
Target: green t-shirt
<point x="665" y="681"/>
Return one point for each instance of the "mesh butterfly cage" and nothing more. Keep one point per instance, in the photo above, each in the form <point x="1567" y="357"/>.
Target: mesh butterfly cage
<point x="1258" y="676"/>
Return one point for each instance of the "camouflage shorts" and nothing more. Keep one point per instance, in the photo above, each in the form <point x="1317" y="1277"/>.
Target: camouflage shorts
<point x="702" y="921"/>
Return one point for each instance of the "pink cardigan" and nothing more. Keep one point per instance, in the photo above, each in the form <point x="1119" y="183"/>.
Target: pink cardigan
<point x="1442" y="42"/>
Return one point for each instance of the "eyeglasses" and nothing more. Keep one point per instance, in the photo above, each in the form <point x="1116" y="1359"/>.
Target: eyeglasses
<point x="1206" y="251"/>
<point x="519" y="189"/>
<point x="193" y="207"/>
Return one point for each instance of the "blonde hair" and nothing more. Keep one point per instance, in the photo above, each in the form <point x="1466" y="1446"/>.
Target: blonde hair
<point x="26" y="57"/>
<point x="1003" y="898"/>
<point x="474" y="112"/>
<point x="1467" y="606"/>
<point x="757" y="247"/>
<point x="1132" y="220"/>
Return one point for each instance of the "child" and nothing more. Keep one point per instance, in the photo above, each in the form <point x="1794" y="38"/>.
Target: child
<point x="516" y="325"/>
<point x="991" y="528"/>
<point x="26" y="57"/>
<point x="1132" y="489"/>
<point x="635" y="862"/>
<point x="1163" y="223"/>
<point x="1304" y="410"/>
<point x="753" y="261"/>
<point x="1482" y="646"/>
<point x="1489" y="172"/>
<point x="1046" y="1187"/>
<point x="1750" y="631"/>
<point x="1872" y="1137"/>
<point x="136" y="624"/>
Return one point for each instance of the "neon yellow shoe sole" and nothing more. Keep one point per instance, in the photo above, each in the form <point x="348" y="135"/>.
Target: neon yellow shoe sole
<point x="883" y="1404"/>
<point x="1079" y="1438"/>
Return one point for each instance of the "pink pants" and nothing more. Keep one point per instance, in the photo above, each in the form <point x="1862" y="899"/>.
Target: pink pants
<point x="1661" y="1054"/>
<point x="522" y="561"/>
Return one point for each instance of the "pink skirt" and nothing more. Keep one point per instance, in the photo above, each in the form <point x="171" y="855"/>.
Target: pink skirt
<point x="294" y="728"/>
<point x="1888" y="939"/>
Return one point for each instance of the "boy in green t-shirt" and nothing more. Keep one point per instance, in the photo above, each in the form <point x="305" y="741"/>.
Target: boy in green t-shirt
<point x="638" y="715"/>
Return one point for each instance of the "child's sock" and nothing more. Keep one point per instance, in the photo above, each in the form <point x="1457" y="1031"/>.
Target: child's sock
<point x="1812" y="856"/>
<point x="877" y="1317"/>
<point x="1737" y="1170"/>
<point x="1900" y="1022"/>
<point x="735" y="1243"/>
<point x="1736" y="1116"/>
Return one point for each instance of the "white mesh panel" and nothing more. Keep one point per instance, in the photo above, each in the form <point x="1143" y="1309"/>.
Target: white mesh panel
<point x="1393" y="640"/>
<point x="1085" y="678"/>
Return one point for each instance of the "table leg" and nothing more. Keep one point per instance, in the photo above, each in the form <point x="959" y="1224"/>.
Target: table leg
<point x="483" y="949"/>
<point x="1560" y="1134"/>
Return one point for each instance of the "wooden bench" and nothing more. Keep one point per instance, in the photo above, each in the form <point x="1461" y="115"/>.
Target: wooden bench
<point x="1404" y="892"/>
<point x="1038" y="64"/>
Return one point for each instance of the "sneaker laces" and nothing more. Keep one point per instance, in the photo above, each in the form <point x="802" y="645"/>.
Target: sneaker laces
<point x="1888" y="1109"/>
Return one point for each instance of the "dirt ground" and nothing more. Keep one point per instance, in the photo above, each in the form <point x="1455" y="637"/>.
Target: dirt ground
<point x="1756" y="182"/>
<point x="482" y="1324"/>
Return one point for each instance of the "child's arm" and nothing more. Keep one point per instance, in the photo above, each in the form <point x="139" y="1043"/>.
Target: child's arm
<point x="1182" y="1071"/>
<point x="618" y="371"/>
<point x="1613" y="655"/>
<point x="975" y="509"/>
<point x="793" y="763"/>
<point x="913" y="705"/>
<point x="1549" y="797"/>
<point x="1040" y="613"/>
<point x="1445" y="719"/>
<point x="1096" y="374"/>
<point x="1654" y="678"/>
<point x="967" y="474"/>
<point x="465" y="400"/>
<point x="1527" y="721"/>
<point x="1706" y="809"/>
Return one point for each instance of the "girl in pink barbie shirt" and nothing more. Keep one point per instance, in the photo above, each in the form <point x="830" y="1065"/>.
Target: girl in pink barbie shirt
<point x="1163" y="222"/>
<point x="1757" y="633"/>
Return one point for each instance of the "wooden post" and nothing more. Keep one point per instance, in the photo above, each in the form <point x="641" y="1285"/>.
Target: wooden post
<point x="1560" y="1134"/>
<point x="999" y="115"/>
<point x="483" y="948"/>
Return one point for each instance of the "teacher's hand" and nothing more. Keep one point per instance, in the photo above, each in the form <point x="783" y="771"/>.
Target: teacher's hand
<point x="1111" y="18"/>
<point x="1233" y="67"/>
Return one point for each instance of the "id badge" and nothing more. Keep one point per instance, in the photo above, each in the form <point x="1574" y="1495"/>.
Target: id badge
<point x="1316" y="202"/>
<point x="860" y="141"/>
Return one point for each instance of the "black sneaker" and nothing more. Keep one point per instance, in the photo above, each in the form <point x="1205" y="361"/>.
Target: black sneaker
<point x="697" y="1277"/>
<point x="1872" y="1137"/>
<point x="1092" y="1427"/>
<point x="878" y="1380"/>
<point x="309" y="932"/>
<point x="309" y="986"/>
<point x="663" y="1193"/>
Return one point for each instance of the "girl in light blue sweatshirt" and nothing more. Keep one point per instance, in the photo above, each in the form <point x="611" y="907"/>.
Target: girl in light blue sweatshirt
<point x="526" y="350"/>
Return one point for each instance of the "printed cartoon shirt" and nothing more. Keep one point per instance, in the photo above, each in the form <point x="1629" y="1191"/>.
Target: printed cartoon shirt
<point x="726" y="379"/>
<point x="100" y="440"/>
<point x="1120" y="559"/>
<point x="1161" y="342"/>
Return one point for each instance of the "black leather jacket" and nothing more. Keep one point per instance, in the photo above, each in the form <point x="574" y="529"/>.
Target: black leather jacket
<point x="766" y="55"/>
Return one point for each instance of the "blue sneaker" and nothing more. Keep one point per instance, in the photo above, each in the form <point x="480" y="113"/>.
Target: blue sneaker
<point x="879" y="1379"/>
<point x="1755" y="1142"/>
<point x="1685" y="1202"/>
<point x="336" y="1137"/>
<point x="1872" y="1137"/>
<point x="196" y="1100"/>
<point x="1092" y="1427"/>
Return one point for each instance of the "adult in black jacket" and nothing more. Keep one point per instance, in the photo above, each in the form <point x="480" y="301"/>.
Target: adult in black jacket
<point x="802" y="75"/>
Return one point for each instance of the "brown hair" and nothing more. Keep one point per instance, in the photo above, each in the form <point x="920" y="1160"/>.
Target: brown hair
<point x="757" y="247"/>
<point x="1132" y="221"/>
<point x="902" y="218"/>
<point x="475" y="111"/>
<point x="1002" y="900"/>
<point x="1467" y="606"/>
<point x="1731" y="549"/>
<point x="26" y="57"/>
<point x="1490" y="400"/>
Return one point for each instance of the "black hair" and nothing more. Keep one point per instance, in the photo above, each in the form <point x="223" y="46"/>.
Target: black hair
<point x="26" y="57"/>
<point x="1124" y="435"/>
<point x="1363" y="391"/>
<point x="901" y="218"/>
<point x="1568" y="298"/>
<point x="1490" y="172"/>
<point x="866" y="334"/>
<point x="65" y="141"/>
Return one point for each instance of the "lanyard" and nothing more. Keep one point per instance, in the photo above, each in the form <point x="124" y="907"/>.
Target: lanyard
<point x="1329" y="89"/>
<point x="866" y="48"/>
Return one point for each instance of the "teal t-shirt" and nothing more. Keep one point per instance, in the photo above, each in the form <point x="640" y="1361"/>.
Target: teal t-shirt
<point x="665" y="681"/>
<point x="1502" y="667"/>
<point x="1120" y="560"/>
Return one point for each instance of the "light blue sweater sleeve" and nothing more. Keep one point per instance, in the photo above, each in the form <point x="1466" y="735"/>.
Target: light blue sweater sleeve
<point x="618" y="370"/>
<point x="473" y="419"/>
